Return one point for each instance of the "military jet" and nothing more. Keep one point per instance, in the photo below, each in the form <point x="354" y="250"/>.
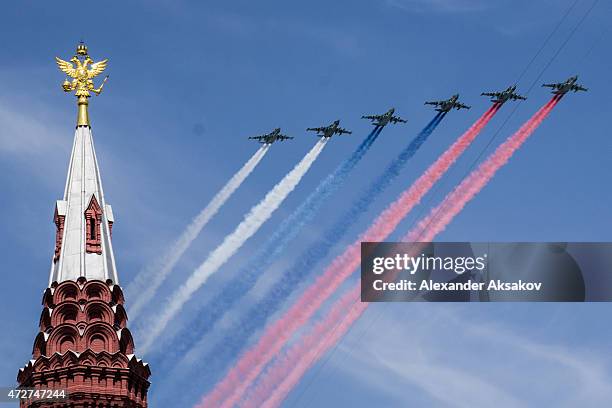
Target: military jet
<point x="561" y="88"/>
<point x="448" y="104"/>
<point x="271" y="137"/>
<point x="329" y="131"/>
<point x="383" y="120"/>
<point x="504" y="96"/>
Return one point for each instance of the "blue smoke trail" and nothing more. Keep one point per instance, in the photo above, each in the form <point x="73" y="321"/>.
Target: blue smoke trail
<point x="257" y="316"/>
<point x="223" y="354"/>
<point x="275" y="245"/>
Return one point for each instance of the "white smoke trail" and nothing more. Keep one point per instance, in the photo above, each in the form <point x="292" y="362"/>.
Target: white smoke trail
<point x="249" y="226"/>
<point x="143" y="287"/>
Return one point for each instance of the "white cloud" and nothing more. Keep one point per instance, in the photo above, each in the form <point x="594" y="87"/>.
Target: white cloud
<point x="32" y="143"/>
<point x="585" y="375"/>
<point x="22" y="134"/>
<point x="450" y="386"/>
<point x="459" y="361"/>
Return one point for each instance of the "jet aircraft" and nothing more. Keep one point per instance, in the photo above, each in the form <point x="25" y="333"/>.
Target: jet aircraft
<point x="504" y="96"/>
<point x="384" y="119"/>
<point x="271" y="137"/>
<point x="448" y="104"/>
<point x="329" y="131"/>
<point x="561" y="88"/>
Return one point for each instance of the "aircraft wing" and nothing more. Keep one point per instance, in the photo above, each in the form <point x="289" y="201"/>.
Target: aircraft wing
<point x="258" y="137"/>
<point x="342" y="131"/>
<point x="372" y="117"/>
<point x="461" y="106"/>
<point x="435" y="103"/>
<point x="554" y="86"/>
<point x="396" y="119"/>
<point x="317" y="129"/>
<point x="577" y="88"/>
<point x="283" y="137"/>
<point x="494" y="94"/>
<point x="517" y="97"/>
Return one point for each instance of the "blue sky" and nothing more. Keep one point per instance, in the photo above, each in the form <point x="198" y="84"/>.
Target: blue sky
<point x="190" y="81"/>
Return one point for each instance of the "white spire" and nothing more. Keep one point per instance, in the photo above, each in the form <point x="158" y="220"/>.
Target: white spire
<point x="84" y="220"/>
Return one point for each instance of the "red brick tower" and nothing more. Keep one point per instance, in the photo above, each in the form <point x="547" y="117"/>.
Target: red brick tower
<point x="84" y="346"/>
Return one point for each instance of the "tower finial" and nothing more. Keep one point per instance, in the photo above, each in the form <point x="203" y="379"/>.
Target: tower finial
<point x="81" y="49"/>
<point x="82" y="70"/>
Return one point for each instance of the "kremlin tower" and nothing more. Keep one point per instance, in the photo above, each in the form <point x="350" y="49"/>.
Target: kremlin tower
<point x="84" y="346"/>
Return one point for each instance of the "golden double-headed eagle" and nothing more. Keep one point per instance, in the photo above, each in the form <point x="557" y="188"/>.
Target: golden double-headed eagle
<point x="82" y="71"/>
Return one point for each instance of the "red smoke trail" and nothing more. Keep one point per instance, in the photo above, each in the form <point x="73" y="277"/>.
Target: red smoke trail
<point x="231" y="389"/>
<point x="453" y="203"/>
<point x="287" y="370"/>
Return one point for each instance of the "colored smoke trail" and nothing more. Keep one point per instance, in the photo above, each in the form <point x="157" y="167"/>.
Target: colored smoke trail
<point x="453" y="203"/>
<point x="282" y="376"/>
<point x="322" y="247"/>
<point x="288" y="368"/>
<point x="235" y="289"/>
<point x="143" y="287"/>
<point x="231" y="389"/>
<point x="249" y="226"/>
<point x="256" y="317"/>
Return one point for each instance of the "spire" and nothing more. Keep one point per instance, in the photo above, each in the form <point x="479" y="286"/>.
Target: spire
<point x="83" y="247"/>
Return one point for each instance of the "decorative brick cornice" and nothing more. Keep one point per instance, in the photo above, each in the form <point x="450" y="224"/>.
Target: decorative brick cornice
<point x="85" y="347"/>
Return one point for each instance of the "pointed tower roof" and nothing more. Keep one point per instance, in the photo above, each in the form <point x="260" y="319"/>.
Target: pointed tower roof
<point x="84" y="247"/>
<point x="84" y="221"/>
<point x="83" y="326"/>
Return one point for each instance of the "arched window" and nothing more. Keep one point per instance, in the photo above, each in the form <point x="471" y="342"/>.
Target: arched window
<point x="93" y="229"/>
<point x="93" y="218"/>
